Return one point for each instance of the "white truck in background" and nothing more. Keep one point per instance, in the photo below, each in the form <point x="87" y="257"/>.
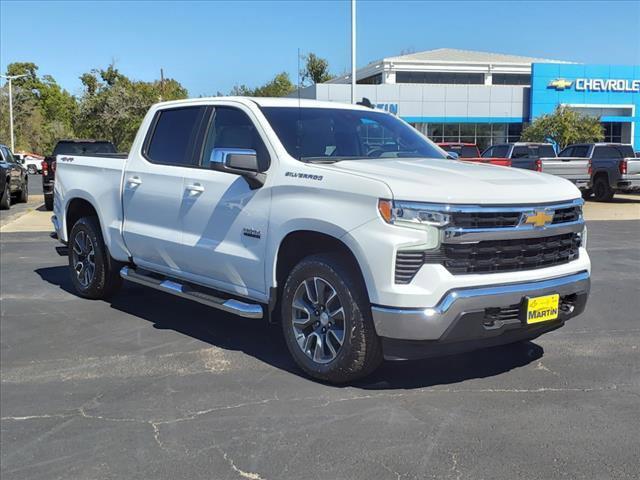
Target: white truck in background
<point x="342" y="223"/>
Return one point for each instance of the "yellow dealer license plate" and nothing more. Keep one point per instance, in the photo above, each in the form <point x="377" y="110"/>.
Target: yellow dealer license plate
<point x="542" y="309"/>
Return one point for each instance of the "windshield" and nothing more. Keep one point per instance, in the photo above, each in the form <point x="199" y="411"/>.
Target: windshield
<point x="83" y="148"/>
<point x="334" y="134"/>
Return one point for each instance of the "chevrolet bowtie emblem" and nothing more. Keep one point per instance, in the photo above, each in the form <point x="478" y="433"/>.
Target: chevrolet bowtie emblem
<point x="538" y="218"/>
<point x="560" y="84"/>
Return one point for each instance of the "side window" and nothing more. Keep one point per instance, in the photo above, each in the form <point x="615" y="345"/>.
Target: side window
<point x="488" y="152"/>
<point x="174" y="136"/>
<point x="232" y="128"/>
<point x="520" y="152"/>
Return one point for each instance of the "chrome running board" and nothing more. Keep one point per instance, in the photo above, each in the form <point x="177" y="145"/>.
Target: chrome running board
<point x="167" y="285"/>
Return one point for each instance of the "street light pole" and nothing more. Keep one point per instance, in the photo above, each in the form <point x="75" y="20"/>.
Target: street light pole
<point x="353" y="51"/>
<point x="10" y="78"/>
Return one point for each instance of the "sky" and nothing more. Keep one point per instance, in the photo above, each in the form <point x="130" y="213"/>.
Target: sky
<point x="210" y="46"/>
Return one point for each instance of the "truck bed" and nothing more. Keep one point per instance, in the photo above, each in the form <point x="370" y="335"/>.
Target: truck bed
<point x="574" y="169"/>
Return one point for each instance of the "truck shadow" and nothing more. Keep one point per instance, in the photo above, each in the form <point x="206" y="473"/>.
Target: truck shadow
<point x="265" y="342"/>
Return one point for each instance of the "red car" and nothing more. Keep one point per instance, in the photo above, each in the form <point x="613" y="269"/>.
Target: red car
<point x="464" y="150"/>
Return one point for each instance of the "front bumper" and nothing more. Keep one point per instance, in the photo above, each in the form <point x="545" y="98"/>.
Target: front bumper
<point x="468" y="314"/>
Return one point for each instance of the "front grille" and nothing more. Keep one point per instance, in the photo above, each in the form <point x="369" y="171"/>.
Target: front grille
<point x="488" y="219"/>
<point x="491" y="256"/>
<point x="564" y="215"/>
<point x="485" y="219"/>
<point x="502" y="314"/>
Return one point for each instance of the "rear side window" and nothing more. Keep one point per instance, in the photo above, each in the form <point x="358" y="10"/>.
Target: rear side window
<point x="520" y="152"/>
<point x="606" y="152"/>
<point x="174" y="136"/>
<point x="567" y="152"/>
<point x="546" y="151"/>
<point x="83" y="148"/>
<point x="467" y="151"/>
<point x="500" y="151"/>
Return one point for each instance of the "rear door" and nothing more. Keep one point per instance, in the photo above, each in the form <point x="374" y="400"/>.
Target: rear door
<point x="224" y="221"/>
<point x="153" y="187"/>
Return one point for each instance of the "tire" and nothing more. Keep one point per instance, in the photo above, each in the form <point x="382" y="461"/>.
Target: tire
<point x="94" y="273"/>
<point x="24" y="193"/>
<point x="32" y="170"/>
<point x="5" y="198"/>
<point x="360" y="352"/>
<point x="587" y="193"/>
<point x="48" y="202"/>
<point x="602" y="191"/>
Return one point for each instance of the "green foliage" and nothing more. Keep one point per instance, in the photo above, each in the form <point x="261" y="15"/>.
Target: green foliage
<point x="111" y="107"/>
<point x="316" y="70"/>
<point x="278" y="86"/>
<point x="564" y="127"/>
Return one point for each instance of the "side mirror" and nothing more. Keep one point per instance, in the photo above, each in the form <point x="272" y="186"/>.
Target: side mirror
<point x="239" y="161"/>
<point x="453" y="156"/>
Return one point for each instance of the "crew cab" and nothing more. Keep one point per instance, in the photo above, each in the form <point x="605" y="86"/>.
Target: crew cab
<point x="341" y="223"/>
<point x="69" y="147"/>
<point x="461" y="149"/>
<point x="599" y="169"/>
<point x="518" y="155"/>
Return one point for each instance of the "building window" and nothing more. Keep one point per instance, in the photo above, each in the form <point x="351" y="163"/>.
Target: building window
<point x="511" y="79"/>
<point x="612" y="132"/>
<point x="372" y="80"/>
<point x="482" y="134"/>
<point x="440" y="78"/>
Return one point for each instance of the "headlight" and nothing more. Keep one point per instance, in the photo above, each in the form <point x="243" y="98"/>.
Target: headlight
<point x="411" y="214"/>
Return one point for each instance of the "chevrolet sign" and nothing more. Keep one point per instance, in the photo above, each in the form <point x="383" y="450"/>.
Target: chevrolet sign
<point x="607" y="85"/>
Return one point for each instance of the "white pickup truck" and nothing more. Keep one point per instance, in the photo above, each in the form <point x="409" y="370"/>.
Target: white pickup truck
<point x="342" y="223"/>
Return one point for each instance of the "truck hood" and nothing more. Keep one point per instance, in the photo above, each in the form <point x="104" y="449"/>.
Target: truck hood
<point x="452" y="181"/>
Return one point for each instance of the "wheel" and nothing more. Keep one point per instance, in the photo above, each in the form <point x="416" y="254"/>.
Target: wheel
<point x="602" y="191"/>
<point x="94" y="273"/>
<point x="5" y="198"/>
<point x="326" y="320"/>
<point x="32" y="170"/>
<point x="586" y="193"/>
<point x="48" y="202"/>
<point x="24" y="193"/>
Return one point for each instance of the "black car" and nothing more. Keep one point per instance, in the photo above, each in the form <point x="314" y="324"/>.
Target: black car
<point x="14" y="181"/>
<point x="68" y="147"/>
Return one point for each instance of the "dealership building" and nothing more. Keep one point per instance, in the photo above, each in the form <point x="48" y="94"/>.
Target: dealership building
<point x="487" y="98"/>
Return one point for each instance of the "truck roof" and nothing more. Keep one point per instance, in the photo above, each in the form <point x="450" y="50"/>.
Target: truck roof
<point x="268" y="102"/>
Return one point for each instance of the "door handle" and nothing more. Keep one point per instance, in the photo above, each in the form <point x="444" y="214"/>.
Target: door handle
<point x="134" y="181"/>
<point x="195" y="189"/>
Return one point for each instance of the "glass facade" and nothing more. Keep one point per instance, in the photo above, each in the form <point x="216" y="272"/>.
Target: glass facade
<point x="482" y="134"/>
<point x="511" y="79"/>
<point x="372" y="80"/>
<point x="440" y="78"/>
<point x="612" y="132"/>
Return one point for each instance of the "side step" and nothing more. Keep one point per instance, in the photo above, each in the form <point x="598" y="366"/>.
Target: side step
<point x="246" y="310"/>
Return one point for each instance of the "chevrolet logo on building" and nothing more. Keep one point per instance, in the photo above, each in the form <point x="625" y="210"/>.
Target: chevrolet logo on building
<point x="560" y="84"/>
<point x="538" y="218"/>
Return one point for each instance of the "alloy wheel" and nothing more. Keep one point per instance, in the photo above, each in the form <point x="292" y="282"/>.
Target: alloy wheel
<point x="318" y="320"/>
<point x="84" y="258"/>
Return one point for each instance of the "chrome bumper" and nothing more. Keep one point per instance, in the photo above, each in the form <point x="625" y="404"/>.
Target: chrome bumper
<point x="432" y="323"/>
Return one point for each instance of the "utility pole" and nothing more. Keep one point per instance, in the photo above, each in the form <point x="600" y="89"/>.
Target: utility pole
<point x="353" y="51"/>
<point x="10" y="78"/>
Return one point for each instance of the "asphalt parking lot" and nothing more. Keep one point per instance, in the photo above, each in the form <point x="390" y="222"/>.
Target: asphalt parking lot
<point x="151" y="386"/>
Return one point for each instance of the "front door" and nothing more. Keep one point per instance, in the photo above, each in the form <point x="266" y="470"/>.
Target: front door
<point x="153" y="188"/>
<point x="224" y="221"/>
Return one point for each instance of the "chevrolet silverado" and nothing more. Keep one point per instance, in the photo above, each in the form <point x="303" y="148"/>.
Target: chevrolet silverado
<point x="341" y="223"/>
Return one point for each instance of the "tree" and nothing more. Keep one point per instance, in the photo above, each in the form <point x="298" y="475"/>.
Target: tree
<point x="316" y="70"/>
<point x="113" y="106"/>
<point x="563" y="127"/>
<point x="278" y="86"/>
